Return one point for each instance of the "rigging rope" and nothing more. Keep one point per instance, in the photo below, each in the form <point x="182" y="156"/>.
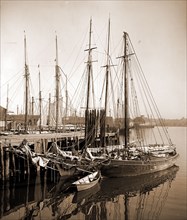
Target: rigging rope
<point x="152" y="99"/>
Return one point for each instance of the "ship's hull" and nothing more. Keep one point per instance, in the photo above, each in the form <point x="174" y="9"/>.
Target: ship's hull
<point x="120" y="168"/>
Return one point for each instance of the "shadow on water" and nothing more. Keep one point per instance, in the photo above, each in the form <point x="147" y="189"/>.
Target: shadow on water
<point x="47" y="196"/>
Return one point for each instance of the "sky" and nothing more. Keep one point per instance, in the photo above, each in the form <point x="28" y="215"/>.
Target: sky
<point x="157" y="30"/>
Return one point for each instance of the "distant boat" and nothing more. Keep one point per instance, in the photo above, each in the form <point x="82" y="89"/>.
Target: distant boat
<point x="88" y="181"/>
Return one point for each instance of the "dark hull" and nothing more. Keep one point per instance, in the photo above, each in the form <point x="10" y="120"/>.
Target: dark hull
<point x="120" y="168"/>
<point x="111" y="188"/>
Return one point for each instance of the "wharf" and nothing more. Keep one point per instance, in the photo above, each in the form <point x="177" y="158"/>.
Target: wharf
<point x="33" y="138"/>
<point x="12" y="163"/>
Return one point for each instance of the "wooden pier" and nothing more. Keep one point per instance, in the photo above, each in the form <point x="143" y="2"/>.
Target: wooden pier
<point x="11" y="164"/>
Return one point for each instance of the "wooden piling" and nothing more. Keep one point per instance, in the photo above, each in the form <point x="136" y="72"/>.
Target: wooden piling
<point x="37" y="147"/>
<point x="19" y="169"/>
<point x="28" y="165"/>
<point x="46" y="145"/>
<point x="2" y="162"/>
<point x="44" y="142"/>
<point x="7" y="163"/>
<point x="2" y="201"/>
<point x="7" y="196"/>
<point x="43" y="145"/>
<point x="13" y="165"/>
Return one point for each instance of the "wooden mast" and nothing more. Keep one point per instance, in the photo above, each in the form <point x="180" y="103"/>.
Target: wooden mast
<point x="6" y="111"/>
<point x="107" y="67"/>
<point x="57" y="76"/>
<point x="66" y="93"/>
<point x="126" y="120"/>
<point x="40" y="103"/>
<point x="103" y="140"/>
<point x="32" y="106"/>
<point x="26" y="86"/>
<point x="89" y="67"/>
<point x="66" y="110"/>
<point x="49" y="112"/>
<point x="126" y="104"/>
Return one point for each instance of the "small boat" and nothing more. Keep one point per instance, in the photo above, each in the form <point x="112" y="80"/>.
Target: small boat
<point x="88" y="181"/>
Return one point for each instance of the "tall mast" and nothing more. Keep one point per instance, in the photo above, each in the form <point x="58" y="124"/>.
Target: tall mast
<point x="49" y="111"/>
<point x="26" y="86"/>
<point x="103" y="121"/>
<point x="126" y="120"/>
<point x="40" y="103"/>
<point x="89" y="66"/>
<point x="89" y="71"/>
<point x="66" y="94"/>
<point x="66" y="111"/>
<point x="57" y="87"/>
<point x="107" y="67"/>
<point x="32" y="107"/>
<point x="6" y="112"/>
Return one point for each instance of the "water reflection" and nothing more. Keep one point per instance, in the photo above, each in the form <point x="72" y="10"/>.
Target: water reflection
<point x="113" y="198"/>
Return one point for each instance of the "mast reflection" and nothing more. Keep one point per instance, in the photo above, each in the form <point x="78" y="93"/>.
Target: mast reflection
<point x="113" y="198"/>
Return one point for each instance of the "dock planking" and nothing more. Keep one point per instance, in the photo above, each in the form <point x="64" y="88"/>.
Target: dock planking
<point x="11" y="164"/>
<point x="32" y="138"/>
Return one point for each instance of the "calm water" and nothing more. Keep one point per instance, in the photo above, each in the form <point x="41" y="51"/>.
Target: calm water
<point x="158" y="196"/>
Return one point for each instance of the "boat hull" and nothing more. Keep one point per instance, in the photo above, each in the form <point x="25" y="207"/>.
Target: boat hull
<point x="85" y="183"/>
<point x="87" y="186"/>
<point x="120" y="168"/>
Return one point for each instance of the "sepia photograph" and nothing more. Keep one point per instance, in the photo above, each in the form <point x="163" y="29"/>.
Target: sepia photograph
<point x="93" y="110"/>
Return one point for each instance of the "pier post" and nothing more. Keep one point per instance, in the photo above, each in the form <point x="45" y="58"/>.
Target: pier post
<point x="2" y="200"/>
<point x="7" y="196"/>
<point x="12" y="161"/>
<point x="19" y="168"/>
<point x="28" y="165"/>
<point x="77" y="142"/>
<point x="37" y="147"/>
<point x="7" y="162"/>
<point x="2" y="162"/>
<point x="46" y="145"/>
<point x="43" y="145"/>
<point x="66" y="141"/>
<point x="13" y="164"/>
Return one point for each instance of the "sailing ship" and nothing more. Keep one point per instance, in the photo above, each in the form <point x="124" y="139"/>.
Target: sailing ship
<point x="138" y="157"/>
<point x="135" y="155"/>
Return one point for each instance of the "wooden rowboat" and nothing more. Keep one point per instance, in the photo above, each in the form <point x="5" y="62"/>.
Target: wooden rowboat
<point x="88" y="181"/>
